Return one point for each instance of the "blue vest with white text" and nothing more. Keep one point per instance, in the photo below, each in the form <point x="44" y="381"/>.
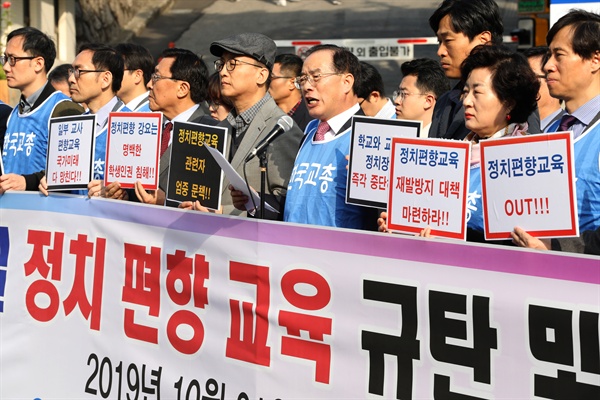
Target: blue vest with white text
<point x="317" y="188"/>
<point x="26" y="138"/>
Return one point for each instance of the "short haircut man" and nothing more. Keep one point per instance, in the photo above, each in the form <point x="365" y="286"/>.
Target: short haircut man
<point x="138" y="68"/>
<point x="460" y="25"/>
<point x="422" y="84"/>
<point x="317" y="189"/>
<point x="245" y="65"/>
<point x="284" y="91"/>
<point x="28" y="56"/>
<point x="59" y="78"/>
<point x="548" y="106"/>
<point x="573" y="75"/>
<point x="371" y="93"/>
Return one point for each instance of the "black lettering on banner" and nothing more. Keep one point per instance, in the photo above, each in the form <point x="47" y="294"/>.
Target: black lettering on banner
<point x="556" y="350"/>
<point x="564" y="387"/>
<point x="405" y="347"/>
<point x="441" y="390"/>
<point x="484" y="336"/>
<point x="551" y="340"/>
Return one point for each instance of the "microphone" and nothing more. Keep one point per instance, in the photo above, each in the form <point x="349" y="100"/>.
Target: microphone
<point x="284" y="124"/>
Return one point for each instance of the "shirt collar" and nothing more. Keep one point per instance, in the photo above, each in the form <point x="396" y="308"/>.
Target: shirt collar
<point x="26" y="104"/>
<point x="336" y="123"/>
<point x="186" y="115"/>
<point x="102" y="114"/>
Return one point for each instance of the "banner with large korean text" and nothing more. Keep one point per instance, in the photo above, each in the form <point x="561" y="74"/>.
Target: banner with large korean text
<point x="110" y="299"/>
<point x="529" y="181"/>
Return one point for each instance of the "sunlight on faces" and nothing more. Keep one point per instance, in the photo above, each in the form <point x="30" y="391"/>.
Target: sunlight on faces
<point x="162" y="94"/>
<point x="568" y="75"/>
<point x="412" y="107"/>
<point x="484" y="113"/>
<point x="22" y="73"/>
<point x="89" y="85"/>
<point x="327" y="97"/>
<point x="453" y="47"/>
<point x="244" y="77"/>
<point x="280" y="87"/>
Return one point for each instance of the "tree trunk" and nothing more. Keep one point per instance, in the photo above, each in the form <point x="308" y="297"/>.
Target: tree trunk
<point x="101" y="21"/>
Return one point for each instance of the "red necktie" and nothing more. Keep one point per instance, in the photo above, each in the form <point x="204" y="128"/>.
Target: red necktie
<point x="166" y="136"/>
<point x="322" y="129"/>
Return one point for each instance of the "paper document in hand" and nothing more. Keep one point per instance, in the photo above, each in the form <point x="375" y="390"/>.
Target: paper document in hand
<point x="237" y="181"/>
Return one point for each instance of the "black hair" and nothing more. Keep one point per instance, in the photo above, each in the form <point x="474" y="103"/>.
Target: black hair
<point x="135" y="57"/>
<point x="513" y="80"/>
<point x="190" y="68"/>
<point x="430" y="75"/>
<point x="586" y="32"/>
<point x="370" y="81"/>
<point x="343" y="61"/>
<point x="470" y="17"/>
<point x="106" y="58"/>
<point x="37" y="44"/>
<point x="214" y="91"/>
<point x="60" y="73"/>
<point x="290" y="64"/>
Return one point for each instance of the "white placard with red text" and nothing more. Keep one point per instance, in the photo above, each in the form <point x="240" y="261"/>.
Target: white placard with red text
<point x="429" y="181"/>
<point x="369" y="165"/>
<point x="104" y="299"/>
<point x="529" y="181"/>
<point x="69" y="159"/>
<point x="132" y="149"/>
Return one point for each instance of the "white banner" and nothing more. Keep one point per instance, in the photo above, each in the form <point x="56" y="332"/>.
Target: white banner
<point x="107" y="299"/>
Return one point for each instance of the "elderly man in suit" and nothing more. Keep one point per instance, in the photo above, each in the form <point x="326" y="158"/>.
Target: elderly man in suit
<point x="245" y="65"/>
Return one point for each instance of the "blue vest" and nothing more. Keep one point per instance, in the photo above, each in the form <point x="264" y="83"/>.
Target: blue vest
<point x="475" y="200"/>
<point x="316" y="191"/>
<point x="26" y="138"/>
<point x="587" y="172"/>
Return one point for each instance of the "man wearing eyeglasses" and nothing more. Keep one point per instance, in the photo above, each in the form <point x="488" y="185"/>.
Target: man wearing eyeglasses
<point x="178" y="88"/>
<point x="317" y="187"/>
<point x="28" y="57"/>
<point x="422" y="84"/>
<point x="284" y="90"/>
<point x="245" y="66"/>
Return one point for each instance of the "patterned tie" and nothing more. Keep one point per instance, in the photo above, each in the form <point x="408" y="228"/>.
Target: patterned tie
<point x="322" y="129"/>
<point x="566" y="122"/>
<point x="166" y="136"/>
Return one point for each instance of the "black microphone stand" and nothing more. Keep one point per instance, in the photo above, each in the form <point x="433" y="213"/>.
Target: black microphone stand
<point x="262" y="156"/>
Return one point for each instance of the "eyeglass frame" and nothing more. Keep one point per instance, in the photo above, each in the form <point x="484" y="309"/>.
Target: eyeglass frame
<point x="155" y="77"/>
<point x="313" y="79"/>
<point x="402" y="94"/>
<point x="281" y="77"/>
<point x="219" y="64"/>
<point x="4" y="59"/>
<point x="76" y="72"/>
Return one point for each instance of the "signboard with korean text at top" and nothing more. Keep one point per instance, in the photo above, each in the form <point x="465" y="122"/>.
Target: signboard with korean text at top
<point x="368" y="168"/>
<point x="194" y="174"/>
<point x="133" y="148"/>
<point x="529" y="182"/>
<point x="70" y="156"/>
<point x="429" y="181"/>
<point x="120" y="300"/>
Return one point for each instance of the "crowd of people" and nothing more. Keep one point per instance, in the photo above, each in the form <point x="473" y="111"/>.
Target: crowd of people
<point x="499" y="93"/>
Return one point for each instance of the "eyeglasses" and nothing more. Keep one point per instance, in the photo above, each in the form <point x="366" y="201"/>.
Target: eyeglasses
<point x="77" y="72"/>
<point x="401" y="95"/>
<point x="231" y="64"/>
<point x="280" y="77"/>
<point x="12" y="60"/>
<point x="312" y="79"/>
<point x="156" y="77"/>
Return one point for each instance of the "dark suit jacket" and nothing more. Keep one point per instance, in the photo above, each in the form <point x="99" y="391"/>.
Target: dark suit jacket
<point x="280" y="158"/>
<point x="301" y="116"/>
<point x="448" y="120"/>
<point x="199" y="116"/>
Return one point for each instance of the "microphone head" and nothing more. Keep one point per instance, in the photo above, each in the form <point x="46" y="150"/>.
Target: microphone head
<point x="286" y="122"/>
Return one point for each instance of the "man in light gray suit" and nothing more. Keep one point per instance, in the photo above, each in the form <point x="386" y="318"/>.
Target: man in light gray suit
<point x="244" y="65"/>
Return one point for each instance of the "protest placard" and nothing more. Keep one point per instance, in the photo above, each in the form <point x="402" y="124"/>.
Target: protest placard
<point x="132" y="149"/>
<point x="529" y="181"/>
<point x="428" y="186"/>
<point x="194" y="174"/>
<point x="70" y="155"/>
<point x="368" y="168"/>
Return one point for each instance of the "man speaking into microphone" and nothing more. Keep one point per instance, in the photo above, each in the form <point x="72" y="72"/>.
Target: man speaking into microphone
<point x="244" y="66"/>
